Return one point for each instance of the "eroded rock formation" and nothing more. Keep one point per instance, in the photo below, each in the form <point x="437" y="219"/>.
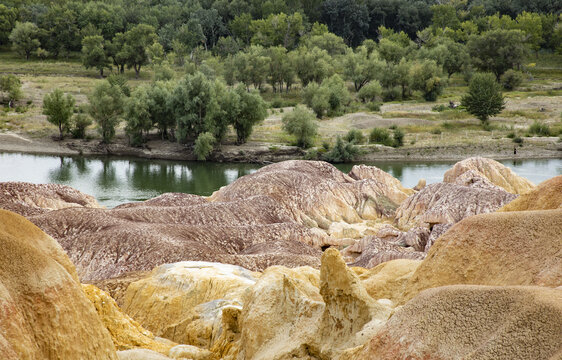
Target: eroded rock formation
<point x="547" y="195"/>
<point x="44" y="312"/>
<point x="471" y="322"/>
<point x="30" y="199"/>
<point x="492" y="171"/>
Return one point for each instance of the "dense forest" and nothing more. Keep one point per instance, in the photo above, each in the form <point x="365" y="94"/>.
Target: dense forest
<point x="340" y="54"/>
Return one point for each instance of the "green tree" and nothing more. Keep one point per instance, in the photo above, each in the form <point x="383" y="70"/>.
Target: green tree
<point x="240" y="27"/>
<point x="361" y="67"/>
<point x="137" y="40"/>
<point x="93" y="53"/>
<point x="342" y="152"/>
<point x="106" y="107"/>
<point x="391" y="51"/>
<point x="444" y="16"/>
<point x="531" y="25"/>
<point x="10" y="85"/>
<point x="8" y="17"/>
<point x="137" y="116"/>
<point x="161" y="113"/>
<point x="277" y="30"/>
<point x="204" y="145"/>
<point x="456" y="58"/>
<point x="497" y="51"/>
<point x="59" y="110"/>
<point x="332" y="43"/>
<point x="370" y="92"/>
<point x="251" y="110"/>
<point x="484" y="97"/>
<point x="426" y="77"/>
<point x="25" y="38"/>
<point x="302" y="124"/>
<point x="78" y="125"/>
<point x="346" y="18"/>
<point x="312" y="64"/>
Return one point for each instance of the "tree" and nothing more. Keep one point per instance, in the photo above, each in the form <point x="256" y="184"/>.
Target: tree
<point x="59" y="30"/>
<point x="370" y="92"/>
<point x="426" y="77"/>
<point x="25" y="38"/>
<point x="342" y="152"/>
<point x="531" y="25"/>
<point x="301" y="123"/>
<point x="312" y="64"/>
<point x="444" y="16"/>
<point x="391" y="51"/>
<point x="59" y="109"/>
<point x="212" y="26"/>
<point x="346" y="18"/>
<point x="328" y="41"/>
<point x="93" y="53"/>
<point x="204" y="145"/>
<point x="484" y="97"/>
<point x="245" y="113"/>
<point x="277" y="30"/>
<point x="137" y="115"/>
<point x="106" y="107"/>
<point x="161" y="113"/>
<point x="456" y="58"/>
<point x="361" y="67"/>
<point x="137" y="40"/>
<point x="8" y="17"/>
<point x="240" y="28"/>
<point x="497" y="51"/>
<point x="10" y="85"/>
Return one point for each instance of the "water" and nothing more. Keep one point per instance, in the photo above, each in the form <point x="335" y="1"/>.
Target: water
<point x="113" y="181"/>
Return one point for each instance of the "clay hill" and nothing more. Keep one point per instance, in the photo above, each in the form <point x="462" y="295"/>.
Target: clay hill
<point x="296" y="261"/>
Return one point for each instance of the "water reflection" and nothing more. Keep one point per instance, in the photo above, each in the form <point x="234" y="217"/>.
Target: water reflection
<point x="116" y="180"/>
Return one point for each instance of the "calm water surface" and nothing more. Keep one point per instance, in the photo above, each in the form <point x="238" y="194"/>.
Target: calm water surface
<point x="113" y="181"/>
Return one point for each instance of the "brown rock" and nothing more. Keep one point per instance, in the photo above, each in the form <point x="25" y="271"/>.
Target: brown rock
<point x="387" y="280"/>
<point x="493" y="171"/>
<point x="45" y="314"/>
<point x="372" y="251"/>
<point x="420" y="185"/>
<point x="547" y="195"/>
<point x="30" y="199"/>
<point x="471" y="322"/>
<point x="391" y="186"/>
<point x="507" y="248"/>
<point x="125" y="332"/>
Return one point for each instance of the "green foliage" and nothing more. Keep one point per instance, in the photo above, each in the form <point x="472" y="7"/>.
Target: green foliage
<point x="301" y="123"/>
<point x="380" y="136"/>
<point x="121" y="82"/>
<point x="8" y="17"/>
<point x="398" y="138"/>
<point x="342" y="152"/>
<point x="361" y="66"/>
<point x="106" y="107"/>
<point x="25" y="38"/>
<point x="277" y="30"/>
<point x="354" y="136"/>
<point x="312" y="64"/>
<point x="511" y="79"/>
<point x="134" y="50"/>
<point x="161" y="113"/>
<point x="540" y="129"/>
<point x="204" y="145"/>
<point x="439" y="108"/>
<point x="497" y="51"/>
<point x="137" y="116"/>
<point x="93" y="53"/>
<point x="246" y="109"/>
<point x="10" y="86"/>
<point x="484" y="97"/>
<point x="426" y="77"/>
<point x="163" y="72"/>
<point x="518" y="140"/>
<point x="370" y="92"/>
<point x="328" y="98"/>
<point x="78" y="125"/>
<point x="59" y="109"/>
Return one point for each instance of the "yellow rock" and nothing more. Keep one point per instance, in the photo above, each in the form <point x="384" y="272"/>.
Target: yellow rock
<point x="183" y="301"/>
<point x="498" y="174"/>
<point x="44" y="312"/>
<point x="387" y="280"/>
<point x="125" y="332"/>
<point x="547" y="195"/>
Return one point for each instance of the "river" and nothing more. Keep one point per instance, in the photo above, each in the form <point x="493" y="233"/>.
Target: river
<point x="113" y="181"/>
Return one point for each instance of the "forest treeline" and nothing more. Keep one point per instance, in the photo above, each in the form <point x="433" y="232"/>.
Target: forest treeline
<point x="340" y="53"/>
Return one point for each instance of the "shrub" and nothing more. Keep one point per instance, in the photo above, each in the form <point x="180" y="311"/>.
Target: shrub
<point x="439" y="108"/>
<point x="484" y="97"/>
<point x="302" y="124"/>
<point x="436" y="131"/>
<point x="11" y="86"/>
<point x="539" y="129"/>
<point x="511" y="79"/>
<point x="204" y="145"/>
<point x="398" y="138"/>
<point x="392" y="94"/>
<point x="380" y="136"/>
<point x="59" y="109"/>
<point x="368" y="93"/>
<point x="342" y="152"/>
<point x="374" y="106"/>
<point x="518" y="140"/>
<point x="78" y="125"/>
<point x="511" y="135"/>
<point x="354" y="136"/>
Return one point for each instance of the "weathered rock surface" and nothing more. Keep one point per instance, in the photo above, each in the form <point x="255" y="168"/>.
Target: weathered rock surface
<point x="29" y="199"/>
<point x="371" y="251"/>
<point x="391" y="186"/>
<point x="547" y="195"/>
<point x="125" y="332"/>
<point x="502" y="248"/>
<point x="316" y="194"/>
<point x="387" y="280"/>
<point x="140" y="354"/>
<point x="471" y="322"/>
<point x="184" y="301"/>
<point x="443" y="203"/>
<point x="45" y="314"/>
<point x="491" y="170"/>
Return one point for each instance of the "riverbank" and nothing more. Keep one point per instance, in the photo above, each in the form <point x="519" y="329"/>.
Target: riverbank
<point x="255" y="152"/>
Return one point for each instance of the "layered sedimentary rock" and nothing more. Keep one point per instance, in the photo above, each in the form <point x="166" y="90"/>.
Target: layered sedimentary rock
<point x="184" y="301"/>
<point x="108" y="243"/>
<point x="547" y="195"/>
<point x="471" y="322"/>
<point x="502" y="248"/>
<point x="316" y="194"/>
<point x="45" y="314"/>
<point x="30" y="199"/>
<point x="387" y="280"/>
<point x="496" y="173"/>
<point x="125" y="332"/>
<point x="371" y="251"/>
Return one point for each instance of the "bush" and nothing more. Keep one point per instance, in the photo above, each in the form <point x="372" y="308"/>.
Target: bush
<point x="354" y="136"/>
<point x="204" y="145"/>
<point x="10" y="85"/>
<point x="439" y="108"/>
<point x="301" y="123"/>
<point x="380" y="136"/>
<point x="59" y="109"/>
<point x="518" y="140"/>
<point x="511" y="135"/>
<point x="342" y="152"/>
<point x="398" y="138"/>
<point x="374" y="106"/>
<point x="436" y="131"/>
<point x="484" y="98"/>
<point x="540" y="129"/>
<point x="78" y="125"/>
<point x="392" y="94"/>
<point x="368" y="93"/>
<point x="512" y="79"/>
